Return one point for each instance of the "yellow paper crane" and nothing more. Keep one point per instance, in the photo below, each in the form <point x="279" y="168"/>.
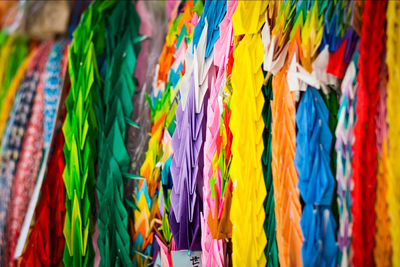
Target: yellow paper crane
<point x="247" y="125"/>
<point x="393" y="109"/>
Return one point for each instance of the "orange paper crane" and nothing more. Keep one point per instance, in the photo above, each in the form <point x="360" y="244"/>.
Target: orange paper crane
<point x="287" y="197"/>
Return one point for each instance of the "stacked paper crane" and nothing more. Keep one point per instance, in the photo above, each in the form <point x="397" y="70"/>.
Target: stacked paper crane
<point x="365" y="149"/>
<point x="29" y="163"/>
<point x="153" y="195"/>
<point x="186" y="196"/>
<point x="247" y="125"/>
<point x="188" y="159"/>
<point x="13" y="54"/>
<point x="275" y="36"/>
<point x="50" y="218"/>
<point x="289" y="237"/>
<point x="316" y="182"/>
<point x="113" y="114"/>
<point x="344" y="142"/>
<point x="271" y="250"/>
<point x="12" y="90"/>
<point x="80" y="133"/>
<point x="55" y="70"/>
<point x="383" y="241"/>
<point x="46" y="241"/>
<point x="213" y="226"/>
<point x="393" y="61"/>
<point x="12" y="143"/>
<point x="145" y="199"/>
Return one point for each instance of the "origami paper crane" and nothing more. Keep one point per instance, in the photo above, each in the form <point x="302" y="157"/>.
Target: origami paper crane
<point x="187" y="163"/>
<point x="214" y="227"/>
<point x="316" y="182"/>
<point x="156" y="167"/>
<point x="246" y="123"/>
<point x="284" y="174"/>
<point x="113" y="114"/>
<point x="14" y="52"/>
<point x="42" y="247"/>
<point x="344" y="142"/>
<point x="365" y="164"/>
<point x="392" y="60"/>
<point x="13" y="139"/>
<point x="80" y="133"/>
<point x="52" y="87"/>
<point x="271" y="250"/>
<point x="29" y="163"/>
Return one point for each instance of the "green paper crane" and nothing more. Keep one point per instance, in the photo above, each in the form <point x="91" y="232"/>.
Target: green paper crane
<point x="271" y="250"/>
<point x="80" y="132"/>
<point x="114" y="111"/>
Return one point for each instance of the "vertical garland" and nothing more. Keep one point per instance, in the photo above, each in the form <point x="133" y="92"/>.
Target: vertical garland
<point x="215" y="228"/>
<point x="221" y="186"/>
<point x="344" y="143"/>
<point x="152" y="195"/>
<point x="284" y="174"/>
<point x="46" y="241"/>
<point x="80" y="133"/>
<point x="186" y="197"/>
<point x="114" y="110"/>
<point x="191" y="125"/>
<point x="285" y="32"/>
<point x="271" y="250"/>
<point x="145" y="195"/>
<point x="10" y="97"/>
<point x="29" y="164"/>
<point x="52" y="88"/>
<point x="12" y="55"/>
<point x="393" y="111"/>
<point x="13" y="138"/>
<point x="247" y="125"/>
<point x="383" y="240"/>
<point x="316" y="182"/>
<point x="50" y="216"/>
<point x="248" y="236"/>
<point x="365" y="149"/>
